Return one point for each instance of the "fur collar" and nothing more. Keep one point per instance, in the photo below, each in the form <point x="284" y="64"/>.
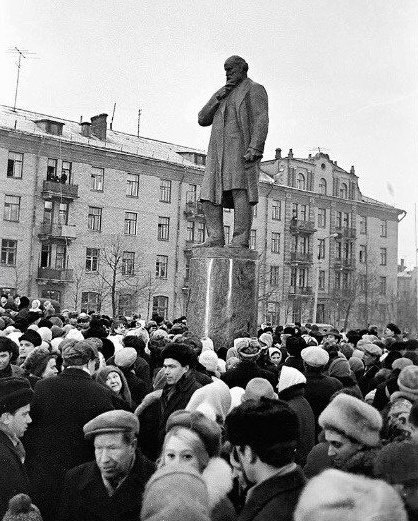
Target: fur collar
<point x="218" y="478"/>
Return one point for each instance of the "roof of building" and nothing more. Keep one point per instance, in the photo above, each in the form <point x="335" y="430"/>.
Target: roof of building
<point x="21" y="120"/>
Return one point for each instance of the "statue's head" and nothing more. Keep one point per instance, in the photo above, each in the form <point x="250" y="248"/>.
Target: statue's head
<point x="235" y="69"/>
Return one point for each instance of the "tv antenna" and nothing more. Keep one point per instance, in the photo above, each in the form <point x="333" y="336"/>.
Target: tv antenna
<point x="139" y="120"/>
<point x="22" y="53"/>
<point x="319" y="149"/>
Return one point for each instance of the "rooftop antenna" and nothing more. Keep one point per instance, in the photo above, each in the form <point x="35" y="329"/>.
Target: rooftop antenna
<point x="113" y="115"/>
<point x="23" y="53"/>
<point x="139" y="120"/>
<point x="319" y="149"/>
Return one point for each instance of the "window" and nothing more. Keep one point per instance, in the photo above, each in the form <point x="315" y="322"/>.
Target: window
<point x="383" y="256"/>
<point x="344" y="191"/>
<point x="191" y="195"/>
<point x="362" y="282"/>
<point x="382" y="286"/>
<point x="66" y="172"/>
<point x="275" y="242"/>
<point x="227" y="234"/>
<point x="337" y="280"/>
<point x="90" y="301"/>
<point x="339" y="250"/>
<point x="303" y="277"/>
<point x="303" y="212"/>
<point x="302" y="244"/>
<point x="8" y="252"/>
<point x="165" y="191"/>
<point x="63" y="213"/>
<point x="322" y="217"/>
<point x="253" y="239"/>
<point x="127" y="304"/>
<point x="161" y="266"/>
<point x="132" y="188"/>
<point x="274" y="276"/>
<point x="276" y="210"/>
<point x="293" y="274"/>
<point x="163" y="228"/>
<point x="320" y="314"/>
<point x="48" y="212"/>
<point x="321" y="248"/>
<point x="321" y="280"/>
<point x="15" y="165"/>
<point x="346" y="220"/>
<point x="254" y="211"/>
<point x="92" y="259"/>
<point x="190" y="231"/>
<point x="51" y="294"/>
<point x="363" y="224"/>
<point x="46" y="255"/>
<point x="322" y="186"/>
<point x="339" y="220"/>
<point x="300" y="182"/>
<point x="201" y="232"/>
<point x="383" y="228"/>
<point x="128" y="263"/>
<point x="348" y="250"/>
<point x="362" y="254"/>
<point x="95" y="219"/>
<point x="11" y="208"/>
<point x="273" y="312"/>
<point x="52" y="170"/>
<point x="97" y="179"/>
<point x="131" y="220"/>
<point x="60" y="257"/>
<point x="346" y="280"/>
<point x="160" y="306"/>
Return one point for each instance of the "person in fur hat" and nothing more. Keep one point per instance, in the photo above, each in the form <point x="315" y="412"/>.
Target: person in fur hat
<point x="194" y="440"/>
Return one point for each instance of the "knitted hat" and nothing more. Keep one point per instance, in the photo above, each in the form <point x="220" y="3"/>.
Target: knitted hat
<point x="400" y="363"/>
<point x="37" y="361"/>
<point x="346" y="350"/>
<point x="15" y="392"/>
<point x="334" y="494"/>
<point x="315" y="356"/>
<point x="266" y="338"/>
<point x="353" y="418"/>
<point x="357" y="353"/>
<point x="57" y="331"/>
<point x="176" y="493"/>
<point x="213" y="400"/>
<point x="125" y="357"/>
<point x="22" y="509"/>
<point x="339" y="368"/>
<point x="112" y="421"/>
<point x="31" y="336"/>
<point x="398" y="462"/>
<point x="289" y="376"/>
<point x="46" y="333"/>
<point x="207" y="430"/>
<point x="355" y="364"/>
<point x="258" y="387"/>
<point x="56" y="321"/>
<point x="75" y="334"/>
<point x="372" y="349"/>
<point x="209" y="360"/>
<point x="407" y="383"/>
<point x="248" y="349"/>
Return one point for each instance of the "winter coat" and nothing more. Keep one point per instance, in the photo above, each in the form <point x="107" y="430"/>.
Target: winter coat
<point x="384" y="391"/>
<point x="367" y="382"/>
<point x="296" y="362"/>
<point x="239" y="121"/>
<point x="274" y="499"/>
<point x="218" y="478"/>
<point x="295" y="397"/>
<point x="13" y="477"/>
<point x="245" y="371"/>
<point x="141" y="369"/>
<point x="317" y="460"/>
<point x="54" y="441"/>
<point x="85" y="498"/>
<point x="12" y="370"/>
<point x="153" y="418"/>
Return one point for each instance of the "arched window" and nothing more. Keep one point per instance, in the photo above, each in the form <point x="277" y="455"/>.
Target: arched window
<point x="343" y="191"/>
<point x="300" y="182"/>
<point x="322" y="186"/>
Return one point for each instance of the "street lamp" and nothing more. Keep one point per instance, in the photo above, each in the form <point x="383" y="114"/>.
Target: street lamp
<point x="315" y="304"/>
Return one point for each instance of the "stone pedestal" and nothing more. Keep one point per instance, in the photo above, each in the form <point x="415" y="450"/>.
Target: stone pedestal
<point x="223" y="293"/>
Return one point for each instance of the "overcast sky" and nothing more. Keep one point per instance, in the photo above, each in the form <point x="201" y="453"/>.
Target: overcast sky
<point x="340" y="74"/>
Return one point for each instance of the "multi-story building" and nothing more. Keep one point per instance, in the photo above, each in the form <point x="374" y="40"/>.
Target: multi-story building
<point x="407" y="298"/>
<point x="100" y="219"/>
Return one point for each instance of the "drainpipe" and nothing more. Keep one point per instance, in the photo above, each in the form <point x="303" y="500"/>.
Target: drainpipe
<point x="176" y="255"/>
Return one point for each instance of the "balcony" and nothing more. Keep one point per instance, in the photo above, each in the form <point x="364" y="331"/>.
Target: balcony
<point x="300" y="291"/>
<point x="53" y="189"/>
<point x="345" y="232"/>
<point x="298" y="226"/>
<point x="300" y="258"/>
<point x="55" y="275"/>
<point x="194" y="210"/>
<point x="57" y="231"/>
<point x="344" y="264"/>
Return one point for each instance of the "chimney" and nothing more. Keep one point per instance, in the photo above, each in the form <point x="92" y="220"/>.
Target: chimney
<point x="85" y="128"/>
<point x="99" y="126"/>
<point x="278" y="153"/>
<point x="352" y="171"/>
<point x="290" y="154"/>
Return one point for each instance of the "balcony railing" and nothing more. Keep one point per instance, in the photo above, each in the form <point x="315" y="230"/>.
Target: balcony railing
<point x="300" y="257"/>
<point x="298" y="226"/>
<point x="55" y="230"/>
<point x="300" y="290"/>
<point x="345" y="232"/>
<point x="194" y="209"/>
<point x="344" y="263"/>
<point x="54" y="189"/>
<point x="55" y="275"/>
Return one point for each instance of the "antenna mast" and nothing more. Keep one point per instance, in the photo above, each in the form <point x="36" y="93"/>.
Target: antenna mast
<point x="139" y="120"/>
<point x="22" y="54"/>
<point x="113" y="115"/>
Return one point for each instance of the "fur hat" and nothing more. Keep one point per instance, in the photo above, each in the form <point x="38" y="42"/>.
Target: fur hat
<point x="21" y="508"/>
<point x="400" y="363"/>
<point x="56" y="321"/>
<point x="407" y="383"/>
<point x="37" y="361"/>
<point x="125" y="357"/>
<point x="334" y="494"/>
<point x="248" y="349"/>
<point x="339" y="368"/>
<point x="315" y="356"/>
<point x="31" y="336"/>
<point x="57" y="331"/>
<point x="397" y="462"/>
<point x="289" y="376"/>
<point x="15" y="392"/>
<point x="183" y="353"/>
<point x="258" y="387"/>
<point x="209" y="360"/>
<point x="352" y="418"/>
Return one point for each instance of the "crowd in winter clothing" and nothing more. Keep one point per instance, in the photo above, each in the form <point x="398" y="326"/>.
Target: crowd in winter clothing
<point x="119" y="419"/>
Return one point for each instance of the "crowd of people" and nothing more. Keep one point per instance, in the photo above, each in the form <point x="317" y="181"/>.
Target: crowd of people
<point x="114" y="419"/>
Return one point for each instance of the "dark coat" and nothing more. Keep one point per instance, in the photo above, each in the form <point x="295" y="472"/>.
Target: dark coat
<point x="13" y="477"/>
<point x="295" y="397"/>
<point x="85" y="498"/>
<point x="384" y="390"/>
<point x="274" y="499"/>
<point x="141" y="369"/>
<point x="153" y="418"/>
<point x="367" y="382"/>
<point x="245" y="371"/>
<point x="54" y="441"/>
<point x="296" y="362"/>
<point x="317" y="460"/>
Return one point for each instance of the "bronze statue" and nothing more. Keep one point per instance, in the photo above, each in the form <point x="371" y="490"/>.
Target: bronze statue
<point x="238" y="113"/>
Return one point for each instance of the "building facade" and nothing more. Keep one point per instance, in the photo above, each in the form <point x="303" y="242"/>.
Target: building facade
<point x="99" y="219"/>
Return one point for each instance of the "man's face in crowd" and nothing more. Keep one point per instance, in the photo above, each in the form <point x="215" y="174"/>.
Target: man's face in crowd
<point x="340" y="448"/>
<point x="331" y="340"/>
<point x="234" y="71"/>
<point x="113" y="455"/>
<point x="25" y="348"/>
<point x="51" y="368"/>
<point x="173" y="370"/>
<point x="18" y="422"/>
<point x="369" y="359"/>
<point x="5" y="357"/>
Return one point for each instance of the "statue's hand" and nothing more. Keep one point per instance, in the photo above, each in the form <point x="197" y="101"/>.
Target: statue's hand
<point x="252" y="155"/>
<point x="223" y="92"/>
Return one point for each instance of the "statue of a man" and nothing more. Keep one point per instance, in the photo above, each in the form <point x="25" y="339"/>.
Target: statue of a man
<point x="238" y="113"/>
